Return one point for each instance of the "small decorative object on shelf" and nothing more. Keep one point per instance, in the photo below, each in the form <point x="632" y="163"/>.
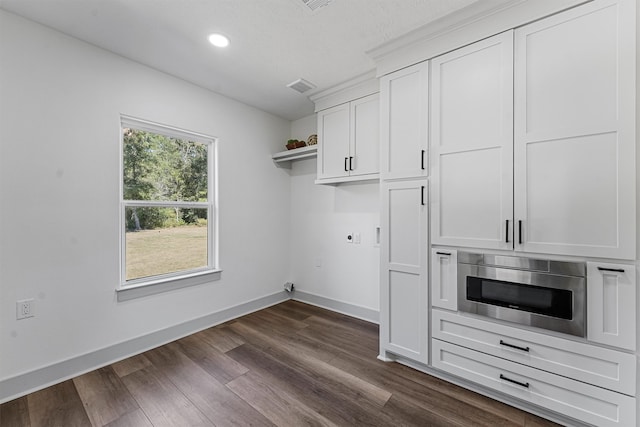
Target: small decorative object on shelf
<point x="294" y="143"/>
<point x="313" y="139"/>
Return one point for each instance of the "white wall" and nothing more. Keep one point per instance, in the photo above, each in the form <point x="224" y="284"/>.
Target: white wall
<point x="638" y="208"/>
<point x="60" y="101"/>
<point x="322" y="262"/>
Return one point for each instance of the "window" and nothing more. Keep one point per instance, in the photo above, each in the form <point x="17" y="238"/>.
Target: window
<point x="167" y="210"/>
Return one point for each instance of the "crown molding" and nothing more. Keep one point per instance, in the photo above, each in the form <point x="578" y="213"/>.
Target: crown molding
<point x="475" y="22"/>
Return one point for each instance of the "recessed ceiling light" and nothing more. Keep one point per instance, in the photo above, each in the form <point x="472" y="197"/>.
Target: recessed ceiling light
<point x="218" y="40"/>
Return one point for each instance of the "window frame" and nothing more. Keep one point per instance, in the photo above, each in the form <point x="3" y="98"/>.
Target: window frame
<point x="185" y="277"/>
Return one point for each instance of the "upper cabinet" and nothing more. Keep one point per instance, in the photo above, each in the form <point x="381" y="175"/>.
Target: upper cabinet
<point x="472" y="144"/>
<point x="348" y="141"/>
<point x="403" y="123"/>
<point x="549" y="168"/>
<point x="575" y="132"/>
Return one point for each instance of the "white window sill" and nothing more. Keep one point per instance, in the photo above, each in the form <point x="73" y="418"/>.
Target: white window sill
<point x="153" y="287"/>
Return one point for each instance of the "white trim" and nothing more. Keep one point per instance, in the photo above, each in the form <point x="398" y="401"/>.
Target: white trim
<point x="159" y="284"/>
<point x="38" y="379"/>
<point x="357" y="311"/>
<point x="355" y="88"/>
<point x="473" y="23"/>
<point x="170" y="131"/>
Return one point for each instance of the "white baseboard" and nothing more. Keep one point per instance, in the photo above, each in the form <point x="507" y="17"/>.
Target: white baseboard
<point x="349" y="309"/>
<point x="20" y="385"/>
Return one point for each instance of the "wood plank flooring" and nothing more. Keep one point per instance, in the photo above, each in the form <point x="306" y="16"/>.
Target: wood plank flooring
<point x="292" y="364"/>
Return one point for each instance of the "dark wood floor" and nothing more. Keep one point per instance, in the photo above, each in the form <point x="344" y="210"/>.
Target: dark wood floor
<point x="289" y="365"/>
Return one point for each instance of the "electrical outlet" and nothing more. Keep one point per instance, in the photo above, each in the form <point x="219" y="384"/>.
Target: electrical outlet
<point x="25" y="308"/>
<point x="350" y="238"/>
<point x="356" y="238"/>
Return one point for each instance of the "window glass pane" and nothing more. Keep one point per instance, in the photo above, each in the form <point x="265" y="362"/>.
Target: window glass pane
<point x="167" y="240"/>
<point x="160" y="168"/>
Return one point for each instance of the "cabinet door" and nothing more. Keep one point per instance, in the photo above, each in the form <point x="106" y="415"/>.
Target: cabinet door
<point x="403" y="122"/>
<point x="333" y="142"/>
<point x="575" y="132"/>
<point x="364" y="150"/>
<point x="611" y="304"/>
<point x="444" y="278"/>
<point x="403" y="279"/>
<point x="472" y="145"/>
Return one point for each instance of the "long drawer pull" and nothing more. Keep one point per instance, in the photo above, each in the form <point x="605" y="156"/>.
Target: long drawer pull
<point x="506" y="344"/>
<point x="444" y="253"/>
<point x="525" y="385"/>
<point x="506" y="231"/>
<point x="615" y="270"/>
<point x="520" y="231"/>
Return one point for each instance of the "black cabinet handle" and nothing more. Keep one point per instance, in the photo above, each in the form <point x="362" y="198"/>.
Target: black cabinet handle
<point x="443" y="253"/>
<point x="506" y="232"/>
<point x="520" y="231"/>
<point x="525" y="385"/>
<point x="422" y="160"/>
<point x="345" y="165"/>
<point x="616" y="270"/>
<point x="350" y="163"/>
<point x="422" y="195"/>
<point x="506" y="344"/>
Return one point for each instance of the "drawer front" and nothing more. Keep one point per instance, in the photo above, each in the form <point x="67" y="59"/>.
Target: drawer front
<point x="571" y="398"/>
<point x="610" y="369"/>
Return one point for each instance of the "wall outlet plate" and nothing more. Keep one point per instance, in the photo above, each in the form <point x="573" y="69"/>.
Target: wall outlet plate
<point x="25" y="308"/>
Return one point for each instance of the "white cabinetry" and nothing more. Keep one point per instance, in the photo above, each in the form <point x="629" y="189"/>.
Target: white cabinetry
<point x="444" y="278"/>
<point x="575" y="132"/>
<point x="611" y="304"/>
<point x="403" y="276"/>
<point x="582" y="401"/>
<point x="472" y="144"/>
<point x="403" y="122"/>
<point x="570" y="188"/>
<point x="348" y="141"/>
<point x="602" y="367"/>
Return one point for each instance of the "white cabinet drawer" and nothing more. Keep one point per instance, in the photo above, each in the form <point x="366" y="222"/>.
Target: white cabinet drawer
<point x="574" y="399"/>
<point x="599" y="366"/>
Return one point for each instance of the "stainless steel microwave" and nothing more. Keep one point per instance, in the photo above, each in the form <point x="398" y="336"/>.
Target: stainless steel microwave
<point x="535" y="292"/>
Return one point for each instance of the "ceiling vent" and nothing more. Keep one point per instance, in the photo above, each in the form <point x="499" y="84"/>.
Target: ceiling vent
<point x="301" y="85"/>
<point x="315" y="4"/>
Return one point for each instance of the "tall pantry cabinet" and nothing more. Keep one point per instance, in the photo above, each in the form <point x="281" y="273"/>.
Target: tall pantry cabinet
<point x="404" y="213"/>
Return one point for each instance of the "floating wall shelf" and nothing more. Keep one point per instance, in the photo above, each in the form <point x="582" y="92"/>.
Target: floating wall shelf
<point x="283" y="159"/>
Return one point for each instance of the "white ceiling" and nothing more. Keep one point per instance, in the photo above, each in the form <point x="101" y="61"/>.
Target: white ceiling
<point x="273" y="42"/>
